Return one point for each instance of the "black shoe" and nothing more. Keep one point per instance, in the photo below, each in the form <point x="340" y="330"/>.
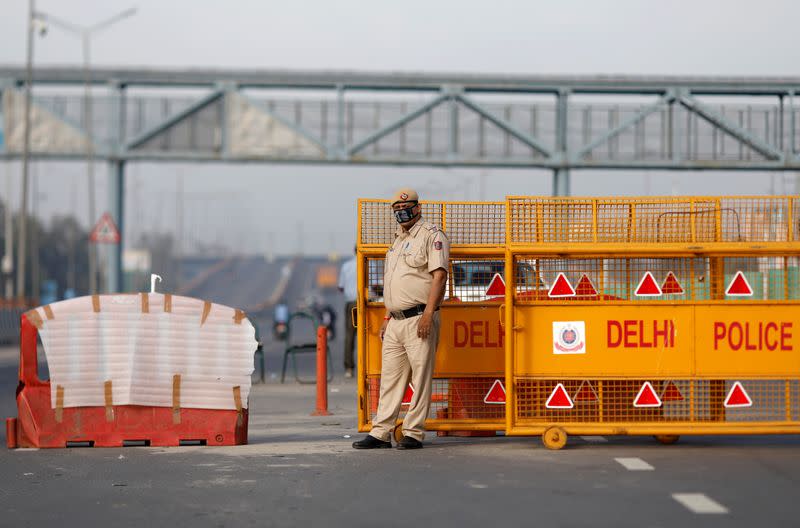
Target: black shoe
<point x="409" y="443"/>
<point x="370" y="442"/>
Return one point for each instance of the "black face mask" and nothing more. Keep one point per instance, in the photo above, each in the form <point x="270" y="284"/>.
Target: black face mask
<point x="405" y="215"/>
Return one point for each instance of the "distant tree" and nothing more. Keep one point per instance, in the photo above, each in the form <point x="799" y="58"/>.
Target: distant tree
<point x="64" y="254"/>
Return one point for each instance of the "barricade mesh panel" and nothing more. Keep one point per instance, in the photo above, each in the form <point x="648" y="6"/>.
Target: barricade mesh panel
<point x="673" y="279"/>
<point x="651" y="220"/>
<point x="377" y="222"/>
<point x="468" y="280"/>
<point x="466" y="224"/>
<point x="455" y="399"/>
<point x="795" y="223"/>
<point x="476" y="223"/>
<point x="374" y="270"/>
<point x="682" y="400"/>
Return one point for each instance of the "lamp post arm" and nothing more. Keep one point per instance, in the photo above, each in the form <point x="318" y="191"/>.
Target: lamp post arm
<point x="58" y="22"/>
<point x="112" y="20"/>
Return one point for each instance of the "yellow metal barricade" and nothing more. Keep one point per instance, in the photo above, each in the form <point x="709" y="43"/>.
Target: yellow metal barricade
<point x="471" y="352"/>
<point x="683" y="320"/>
<point x="662" y="316"/>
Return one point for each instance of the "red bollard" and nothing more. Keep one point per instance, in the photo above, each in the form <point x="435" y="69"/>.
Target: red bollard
<point x="11" y="433"/>
<point x="322" y="373"/>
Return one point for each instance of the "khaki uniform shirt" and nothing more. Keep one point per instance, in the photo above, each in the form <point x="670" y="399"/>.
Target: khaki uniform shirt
<point x="413" y="256"/>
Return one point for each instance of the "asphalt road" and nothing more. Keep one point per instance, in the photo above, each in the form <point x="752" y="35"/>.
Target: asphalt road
<point x="300" y="470"/>
<point x="246" y="282"/>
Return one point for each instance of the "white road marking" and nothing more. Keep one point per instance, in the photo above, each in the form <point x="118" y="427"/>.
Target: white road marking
<point x="634" y="464"/>
<point x="595" y="439"/>
<point x="293" y="465"/>
<point x="699" y="503"/>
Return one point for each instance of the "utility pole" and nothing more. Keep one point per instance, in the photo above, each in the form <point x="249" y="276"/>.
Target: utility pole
<point x="71" y="259"/>
<point x="35" y="225"/>
<point x="8" y="256"/>
<point x="179" y="230"/>
<point x="26" y="146"/>
<point x="87" y="123"/>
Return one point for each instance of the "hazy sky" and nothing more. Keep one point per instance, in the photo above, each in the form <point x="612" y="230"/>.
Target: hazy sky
<point x="258" y="207"/>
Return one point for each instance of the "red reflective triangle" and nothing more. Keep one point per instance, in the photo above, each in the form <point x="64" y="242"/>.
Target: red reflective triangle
<point x="497" y="394"/>
<point x="105" y="231"/>
<point x="737" y="397"/>
<point x="497" y="286"/>
<point x="559" y="399"/>
<point x="409" y="394"/>
<point x="647" y="397"/>
<point x="739" y="286"/>
<point x="585" y="287"/>
<point x="585" y="392"/>
<point x="671" y="285"/>
<point x="648" y="287"/>
<point x="671" y="393"/>
<point x="561" y="287"/>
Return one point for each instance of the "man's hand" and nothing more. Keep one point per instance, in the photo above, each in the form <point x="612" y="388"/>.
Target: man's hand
<point x="383" y="327"/>
<point x="424" y="325"/>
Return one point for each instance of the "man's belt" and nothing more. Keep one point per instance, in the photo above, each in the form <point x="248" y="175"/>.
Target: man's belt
<point x="411" y="312"/>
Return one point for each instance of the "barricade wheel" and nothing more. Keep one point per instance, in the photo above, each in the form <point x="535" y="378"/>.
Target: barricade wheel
<point x="554" y="438"/>
<point x="667" y="439"/>
<point x="398" y="432"/>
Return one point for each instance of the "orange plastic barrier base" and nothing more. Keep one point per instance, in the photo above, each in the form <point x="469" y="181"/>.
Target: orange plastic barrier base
<point x="37" y="426"/>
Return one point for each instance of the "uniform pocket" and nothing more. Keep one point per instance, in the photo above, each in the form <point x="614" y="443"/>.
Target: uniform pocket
<point x="415" y="255"/>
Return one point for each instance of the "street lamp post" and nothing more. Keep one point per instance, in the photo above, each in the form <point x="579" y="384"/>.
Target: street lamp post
<point x="26" y="146"/>
<point x="85" y="33"/>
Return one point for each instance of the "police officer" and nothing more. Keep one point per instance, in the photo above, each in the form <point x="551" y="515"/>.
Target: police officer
<point x="414" y="281"/>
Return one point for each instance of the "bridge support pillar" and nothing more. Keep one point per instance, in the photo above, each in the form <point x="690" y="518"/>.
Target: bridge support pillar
<point x="561" y="182"/>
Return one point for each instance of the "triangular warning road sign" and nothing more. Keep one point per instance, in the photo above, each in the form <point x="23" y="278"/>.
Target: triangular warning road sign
<point x="497" y="286"/>
<point x="671" y="393"/>
<point x="647" y="397"/>
<point x="105" y="231"/>
<point x="737" y="397"/>
<point x="559" y="399"/>
<point x="671" y="286"/>
<point x="409" y="395"/>
<point x="739" y="287"/>
<point x="648" y="287"/>
<point x="585" y="392"/>
<point x="497" y="394"/>
<point x="585" y="288"/>
<point x="561" y="287"/>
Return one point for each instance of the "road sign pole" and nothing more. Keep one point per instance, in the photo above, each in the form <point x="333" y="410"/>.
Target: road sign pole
<point x="116" y="201"/>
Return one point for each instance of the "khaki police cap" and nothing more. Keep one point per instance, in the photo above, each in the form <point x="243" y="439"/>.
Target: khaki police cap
<point x="405" y="195"/>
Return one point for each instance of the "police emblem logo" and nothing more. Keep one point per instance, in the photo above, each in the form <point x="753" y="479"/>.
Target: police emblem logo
<point x="569" y="337"/>
<point x="437" y="245"/>
<point x="404" y="196"/>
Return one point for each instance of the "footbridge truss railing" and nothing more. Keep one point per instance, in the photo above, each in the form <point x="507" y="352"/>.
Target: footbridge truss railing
<point x="547" y="122"/>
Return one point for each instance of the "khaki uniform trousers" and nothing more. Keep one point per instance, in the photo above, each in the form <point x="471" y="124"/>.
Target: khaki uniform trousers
<point x="405" y="357"/>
